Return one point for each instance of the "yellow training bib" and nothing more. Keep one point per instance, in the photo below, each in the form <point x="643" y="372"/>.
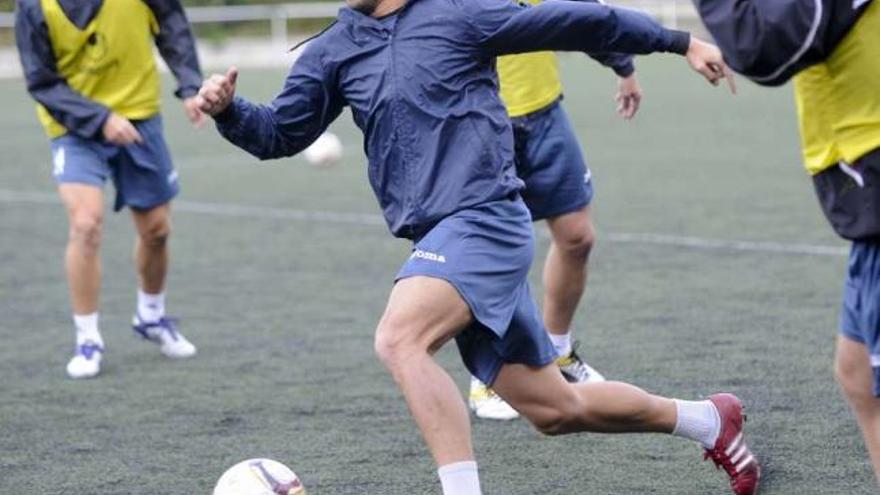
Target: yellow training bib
<point x="109" y="61"/>
<point x="529" y="81"/>
<point x="838" y="100"/>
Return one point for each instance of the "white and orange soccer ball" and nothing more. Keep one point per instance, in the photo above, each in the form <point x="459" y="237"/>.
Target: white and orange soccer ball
<point x="259" y="477"/>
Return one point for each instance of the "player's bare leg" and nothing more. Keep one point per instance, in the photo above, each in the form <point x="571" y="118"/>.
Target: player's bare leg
<point x="424" y="313"/>
<point x="557" y="407"/>
<point x="565" y="270"/>
<point x="85" y="206"/>
<point x="854" y="374"/>
<point x="151" y="247"/>
<point x="151" y="255"/>
<point x="565" y="279"/>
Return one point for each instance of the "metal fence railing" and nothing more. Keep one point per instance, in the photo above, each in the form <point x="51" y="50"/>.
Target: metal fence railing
<point x="670" y="12"/>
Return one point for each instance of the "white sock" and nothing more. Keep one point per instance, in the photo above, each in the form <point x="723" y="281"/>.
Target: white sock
<point x="87" y="329"/>
<point x="698" y="421"/>
<point x="150" y="307"/>
<point x="562" y="343"/>
<point x="460" y="478"/>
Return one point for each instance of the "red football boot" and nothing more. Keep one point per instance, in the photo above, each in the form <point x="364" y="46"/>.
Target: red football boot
<point x="731" y="451"/>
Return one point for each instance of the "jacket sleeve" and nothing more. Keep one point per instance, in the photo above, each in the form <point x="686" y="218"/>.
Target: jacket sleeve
<point x="177" y="45"/>
<point x="80" y="115"/>
<point x="503" y="27"/>
<point x="621" y="63"/>
<point x="307" y="104"/>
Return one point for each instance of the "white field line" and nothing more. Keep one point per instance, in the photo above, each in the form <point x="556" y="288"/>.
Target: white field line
<point x="360" y="219"/>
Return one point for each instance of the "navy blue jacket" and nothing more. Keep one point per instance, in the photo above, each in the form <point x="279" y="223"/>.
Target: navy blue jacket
<point x="77" y="113"/>
<point x="422" y="87"/>
<point x="772" y="40"/>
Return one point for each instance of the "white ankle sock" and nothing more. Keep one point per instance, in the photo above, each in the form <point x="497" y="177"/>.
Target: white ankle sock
<point x="460" y="478"/>
<point x="698" y="421"/>
<point x="150" y="307"/>
<point x="562" y="343"/>
<point x="87" y="328"/>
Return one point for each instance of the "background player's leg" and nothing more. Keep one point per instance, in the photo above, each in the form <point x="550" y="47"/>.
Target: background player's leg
<point x="85" y="207"/>
<point x="151" y="247"/>
<point x="854" y="374"/>
<point x="565" y="270"/>
<point x="423" y="314"/>
<point x="151" y="260"/>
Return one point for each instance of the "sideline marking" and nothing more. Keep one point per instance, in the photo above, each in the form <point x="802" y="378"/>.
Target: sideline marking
<point x="361" y="219"/>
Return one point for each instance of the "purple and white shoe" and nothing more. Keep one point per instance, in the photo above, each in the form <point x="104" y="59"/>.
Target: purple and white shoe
<point x="164" y="334"/>
<point x="86" y="363"/>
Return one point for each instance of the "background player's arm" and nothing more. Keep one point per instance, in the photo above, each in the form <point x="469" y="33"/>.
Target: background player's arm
<point x="81" y="116"/>
<point x="505" y="28"/>
<point x="177" y="46"/>
<point x="296" y="117"/>
<point x="77" y="113"/>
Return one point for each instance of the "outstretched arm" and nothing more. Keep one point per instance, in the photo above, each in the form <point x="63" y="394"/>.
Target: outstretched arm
<point x="178" y="48"/>
<point x="295" y="118"/>
<point x="502" y="27"/>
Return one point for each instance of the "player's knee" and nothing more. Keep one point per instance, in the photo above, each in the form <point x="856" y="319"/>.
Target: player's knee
<point x="156" y="233"/>
<point x="391" y="344"/>
<point x="560" y="418"/>
<point x="578" y="243"/>
<point x="850" y="377"/>
<point x="85" y="230"/>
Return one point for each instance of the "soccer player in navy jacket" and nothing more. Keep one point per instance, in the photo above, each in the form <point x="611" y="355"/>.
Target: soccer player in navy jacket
<point x="420" y="79"/>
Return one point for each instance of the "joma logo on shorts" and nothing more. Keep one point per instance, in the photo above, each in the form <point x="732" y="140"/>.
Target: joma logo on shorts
<point x="426" y="255"/>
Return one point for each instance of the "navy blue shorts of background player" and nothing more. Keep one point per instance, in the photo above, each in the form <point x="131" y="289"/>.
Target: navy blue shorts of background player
<point x="485" y="253"/>
<point x="143" y="174"/>
<point x="860" y="317"/>
<point x="549" y="160"/>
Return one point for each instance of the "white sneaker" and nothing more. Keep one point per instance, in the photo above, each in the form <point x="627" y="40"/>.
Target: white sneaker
<point x="86" y="363"/>
<point x="576" y="370"/>
<point x="164" y="333"/>
<point x="486" y="404"/>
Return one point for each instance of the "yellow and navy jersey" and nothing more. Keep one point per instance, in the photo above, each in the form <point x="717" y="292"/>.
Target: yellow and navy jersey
<point x="838" y="100"/>
<point x="530" y="81"/>
<point x="85" y="58"/>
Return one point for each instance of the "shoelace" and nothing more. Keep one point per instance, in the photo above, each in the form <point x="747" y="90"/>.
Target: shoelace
<point x="721" y="460"/>
<point x="88" y="349"/>
<point x="165" y="323"/>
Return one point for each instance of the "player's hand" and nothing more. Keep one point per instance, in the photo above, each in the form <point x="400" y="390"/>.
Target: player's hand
<point x="629" y="96"/>
<point x="707" y="59"/>
<point x="217" y="92"/>
<point x="191" y="109"/>
<point x="120" y="131"/>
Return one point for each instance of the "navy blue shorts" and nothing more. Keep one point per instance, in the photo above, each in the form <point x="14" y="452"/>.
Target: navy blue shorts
<point x="549" y="160"/>
<point x="485" y="253"/>
<point x="860" y="317"/>
<point x="143" y="174"/>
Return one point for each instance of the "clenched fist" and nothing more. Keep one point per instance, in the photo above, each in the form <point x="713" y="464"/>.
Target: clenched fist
<point x="217" y="92"/>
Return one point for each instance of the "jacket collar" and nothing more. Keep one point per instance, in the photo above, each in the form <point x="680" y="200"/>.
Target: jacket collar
<point x="354" y="17"/>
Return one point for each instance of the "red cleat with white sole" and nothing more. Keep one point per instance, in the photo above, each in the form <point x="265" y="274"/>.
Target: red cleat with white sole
<point x="731" y="452"/>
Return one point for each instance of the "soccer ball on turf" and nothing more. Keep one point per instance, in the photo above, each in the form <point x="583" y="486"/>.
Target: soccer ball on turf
<point x="259" y="477"/>
<point x="325" y="151"/>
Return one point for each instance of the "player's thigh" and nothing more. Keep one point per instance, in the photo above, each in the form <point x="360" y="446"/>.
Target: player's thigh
<point x="573" y="230"/>
<point x="84" y="204"/>
<point x="422" y="313"/>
